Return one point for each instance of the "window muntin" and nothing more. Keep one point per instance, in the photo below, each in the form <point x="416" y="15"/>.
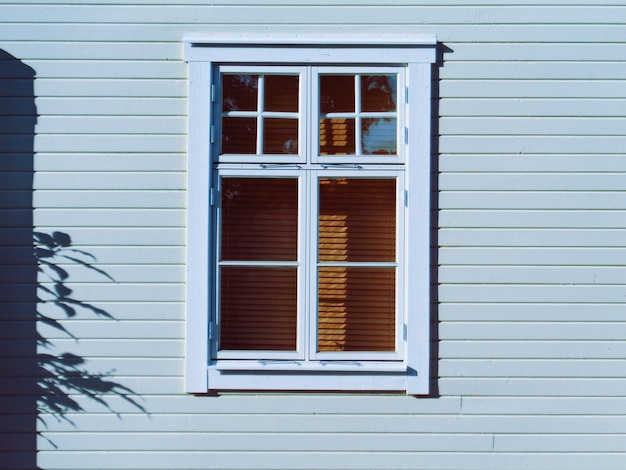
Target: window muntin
<point x="359" y="114"/>
<point x="260" y="110"/>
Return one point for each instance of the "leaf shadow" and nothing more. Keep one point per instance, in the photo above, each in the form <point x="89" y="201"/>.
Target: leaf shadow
<point x="65" y="375"/>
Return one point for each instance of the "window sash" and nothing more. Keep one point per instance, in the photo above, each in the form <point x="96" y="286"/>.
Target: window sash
<point x="298" y="352"/>
<point x="358" y="115"/>
<point x="259" y="115"/>
<point x="397" y="264"/>
<point x="307" y="266"/>
<point x="309" y="116"/>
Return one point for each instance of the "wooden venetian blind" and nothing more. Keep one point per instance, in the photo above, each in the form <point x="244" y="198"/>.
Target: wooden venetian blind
<point x="356" y="272"/>
<point x="258" y="284"/>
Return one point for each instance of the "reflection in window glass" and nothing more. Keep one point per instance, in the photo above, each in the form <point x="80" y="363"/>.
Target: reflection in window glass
<point x="378" y="136"/>
<point x="260" y="104"/>
<point x="361" y="123"/>
<point x="378" y="93"/>
<point x="239" y="92"/>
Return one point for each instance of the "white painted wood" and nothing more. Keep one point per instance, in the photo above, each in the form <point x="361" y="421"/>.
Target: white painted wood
<point x="417" y="295"/>
<point x="103" y="199"/>
<point x="554" y="163"/>
<point x="531" y="256"/>
<point x="199" y="227"/>
<point x="174" y="14"/>
<point x="296" y="460"/>
<point x="478" y="421"/>
<point x="202" y="52"/>
<point x="172" y="163"/>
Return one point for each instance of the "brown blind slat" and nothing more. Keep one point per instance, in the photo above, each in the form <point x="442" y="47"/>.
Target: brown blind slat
<point x="356" y="309"/>
<point x="258" y="308"/>
<point x="259" y="219"/>
<point x="356" y="305"/>
<point x="258" y="304"/>
<point x="357" y="219"/>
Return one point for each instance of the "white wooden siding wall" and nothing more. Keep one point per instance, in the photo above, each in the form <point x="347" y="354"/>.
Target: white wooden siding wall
<point x="532" y="237"/>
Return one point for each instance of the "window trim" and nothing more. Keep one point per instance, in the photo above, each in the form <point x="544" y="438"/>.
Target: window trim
<point x="416" y="54"/>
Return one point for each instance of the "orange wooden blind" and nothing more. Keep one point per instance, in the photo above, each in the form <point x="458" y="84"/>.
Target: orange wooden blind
<point x="259" y="219"/>
<point x="258" y="308"/>
<point x="258" y="304"/>
<point x="337" y="136"/>
<point x="356" y="305"/>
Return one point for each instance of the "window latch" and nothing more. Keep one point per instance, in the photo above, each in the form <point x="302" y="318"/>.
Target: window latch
<point x="280" y="165"/>
<point x="341" y="165"/>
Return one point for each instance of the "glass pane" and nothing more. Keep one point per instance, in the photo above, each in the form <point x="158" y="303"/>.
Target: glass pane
<point x="357" y="220"/>
<point x="378" y="93"/>
<point x="259" y="219"/>
<point x="280" y="136"/>
<point x="239" y="92"/>
<point x="281" y="93"/>
<point x="336" y="94"/>
<point x="356" y="310"/>
<point x="239" y="135"/>
<point x="337" y="136"/>
<point x="258" y="308"/>
<point x="379" y="136"/>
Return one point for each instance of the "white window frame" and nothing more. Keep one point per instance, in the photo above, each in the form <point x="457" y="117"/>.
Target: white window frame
<point x="414" y="54"/>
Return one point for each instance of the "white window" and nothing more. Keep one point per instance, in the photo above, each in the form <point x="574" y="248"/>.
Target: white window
<point x="308" y="210"/>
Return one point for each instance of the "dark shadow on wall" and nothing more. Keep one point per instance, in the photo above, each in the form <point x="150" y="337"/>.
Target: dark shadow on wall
<point x="36" y="381"/>
<point x="18" y="267"/>
<point x="434" y="224"/>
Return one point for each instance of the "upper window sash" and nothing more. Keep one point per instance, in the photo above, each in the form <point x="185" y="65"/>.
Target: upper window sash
<point x="255" y="111"/>
<point x="371" y="132"/>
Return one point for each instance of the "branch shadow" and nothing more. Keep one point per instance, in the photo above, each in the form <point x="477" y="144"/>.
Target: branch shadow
<point x="65" y="374"/>
<point x="36" y="383"/>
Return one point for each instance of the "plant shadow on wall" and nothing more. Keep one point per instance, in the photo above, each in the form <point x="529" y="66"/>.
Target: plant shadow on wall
<point x="65" y="375"/>
<point x="38" y="384"/>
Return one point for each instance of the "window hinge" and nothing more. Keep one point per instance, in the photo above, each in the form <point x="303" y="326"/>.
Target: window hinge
<point x="406" y="135"/>
<point x="406" y="94"/>
<point x="210" y="330"/>
<point x="212" y="93"/>
<point x="212" y="137"/>
<point x="406" y="198"/>
<point x="212" y="196"/>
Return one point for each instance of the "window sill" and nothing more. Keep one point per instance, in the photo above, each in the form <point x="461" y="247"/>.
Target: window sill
<point x="313" y="366"/>
<point x="348" y="379"/>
